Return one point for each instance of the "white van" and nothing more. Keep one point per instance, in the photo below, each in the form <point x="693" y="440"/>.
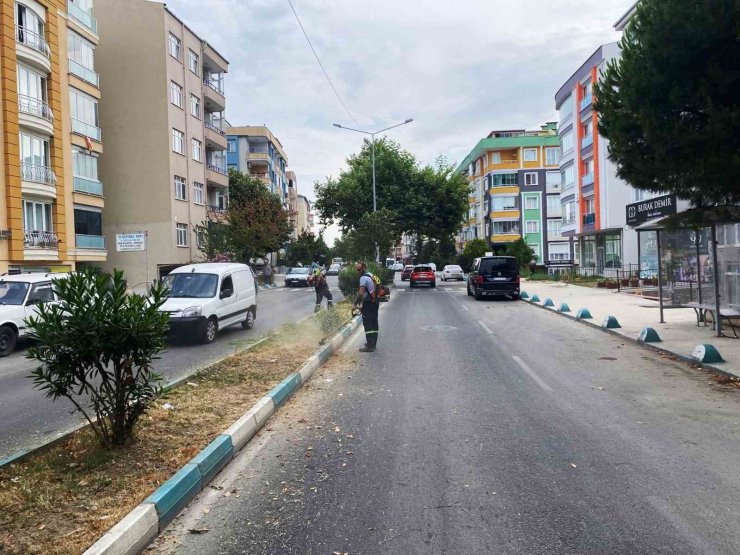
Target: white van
<point x="204" y="298"/>
<point x="19" y="296"/>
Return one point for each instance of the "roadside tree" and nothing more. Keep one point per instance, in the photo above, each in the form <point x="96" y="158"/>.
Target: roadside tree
<point x="96" y="347"/>
<point x="523" y="253"/>
<point x="669" y="106"/>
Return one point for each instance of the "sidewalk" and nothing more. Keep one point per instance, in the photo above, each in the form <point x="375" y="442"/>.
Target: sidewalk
<point x="679" y="334"/>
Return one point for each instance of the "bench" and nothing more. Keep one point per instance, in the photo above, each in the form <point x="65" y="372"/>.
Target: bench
<point x="727" y="313"/>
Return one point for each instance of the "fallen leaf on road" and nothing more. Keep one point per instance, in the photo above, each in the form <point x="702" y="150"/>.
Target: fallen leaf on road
<point x="167" y="406"/>
<point x="573" y="465"/>
<point x="218" y="488"/>
<point x="206" y="510"/>
<point x="601" y="388"/>
<point x="42" y="526"/>
<point x="198" y="530"/>
<point x="337" y="429"/>
<point x="191" y="384"/>
<point x="301" y="420"/>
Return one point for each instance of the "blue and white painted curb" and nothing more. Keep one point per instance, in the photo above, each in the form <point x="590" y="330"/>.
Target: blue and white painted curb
<point x="142" y="525"/>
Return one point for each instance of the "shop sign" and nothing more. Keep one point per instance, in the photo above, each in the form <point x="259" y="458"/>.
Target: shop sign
<point x="645" y="210"/>
<point x="131" y="242"/>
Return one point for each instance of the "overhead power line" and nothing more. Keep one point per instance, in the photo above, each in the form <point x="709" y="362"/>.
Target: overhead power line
<point x="339" y="97"/>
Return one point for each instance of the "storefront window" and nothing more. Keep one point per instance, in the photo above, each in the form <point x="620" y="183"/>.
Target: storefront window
<point x="648" y="241"/>
<point x="728" y="262"/>
<point x="612" y="251"/>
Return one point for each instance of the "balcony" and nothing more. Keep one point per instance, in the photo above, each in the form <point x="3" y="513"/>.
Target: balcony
<point x="586" y="102"/>
<point x="35" y="113"/>
<point x="88" y="75"/>
<point x="216" y="175"/>
<point x="570" y="220"/>
<point x="588" y="140"/>
<point x="92" y="242"/>
<point x="38" y="174"/>
<point x="37" y="239"/>
<point x="33" y="48"/>
<point x="83" y="17"/>
<point x="213" y="94"/>
<point x="215" y="137"/>
<point x="568" y="186"/>
<point x="86" y="129"/>
<point x="589" y="219"/>
<point x="587" y="179"/>
<point x="88" y="186"/>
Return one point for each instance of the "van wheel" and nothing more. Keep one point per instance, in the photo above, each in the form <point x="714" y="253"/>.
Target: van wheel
<point x="8" y="339"/>
<point x="248" y="322"/>
<point x="469" y="293"/>
<point x="210" y="329"/>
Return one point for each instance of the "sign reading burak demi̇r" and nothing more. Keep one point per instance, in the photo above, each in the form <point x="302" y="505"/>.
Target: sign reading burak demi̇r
<point x="639" y="212"/>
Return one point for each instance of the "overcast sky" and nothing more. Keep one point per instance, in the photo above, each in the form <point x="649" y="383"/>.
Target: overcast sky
<point x="460" y="69"/>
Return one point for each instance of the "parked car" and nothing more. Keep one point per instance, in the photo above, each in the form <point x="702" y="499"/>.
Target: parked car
<point x="19" y="296"/>
<point x="297" y="277"/>
<point x="205" y="298"/>
<point x="494" y="275"/>
<point x="397" y="267"/>
<point x="406" y="273"/>
<point x="423" y="274"/>
<point x="333" y="270"/>
<point x="452" y="272"/>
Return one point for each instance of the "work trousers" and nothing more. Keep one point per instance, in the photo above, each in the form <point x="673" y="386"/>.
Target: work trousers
<point x="321" y="293"/>
<point x="370" y="323"/>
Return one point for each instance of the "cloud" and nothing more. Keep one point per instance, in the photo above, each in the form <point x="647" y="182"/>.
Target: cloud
<point x="459" y="69"/>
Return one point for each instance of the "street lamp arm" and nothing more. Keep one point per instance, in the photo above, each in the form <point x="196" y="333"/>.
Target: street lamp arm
<point x="351" y="129"/>
<point x="393" y="126"/>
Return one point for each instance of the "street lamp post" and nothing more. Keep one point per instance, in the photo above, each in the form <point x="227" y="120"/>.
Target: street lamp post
<point x="372" y="140"/>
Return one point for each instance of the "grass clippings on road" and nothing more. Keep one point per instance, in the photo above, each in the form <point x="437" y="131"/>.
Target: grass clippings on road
<point x="62" y="500"/>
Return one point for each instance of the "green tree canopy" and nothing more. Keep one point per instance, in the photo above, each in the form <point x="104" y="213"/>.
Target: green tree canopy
<point x="305" y="248"/>
<point x="475" y="248"/>
<point x="670" y="106"/>
<point x="256" y="223"/>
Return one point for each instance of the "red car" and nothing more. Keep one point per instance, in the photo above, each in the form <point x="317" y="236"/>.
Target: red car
<point x="423" y="275"/>
<point x="406" y="273"/>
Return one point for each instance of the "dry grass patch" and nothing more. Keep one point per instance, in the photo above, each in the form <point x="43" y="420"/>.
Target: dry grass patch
<point x="63" y="500"/>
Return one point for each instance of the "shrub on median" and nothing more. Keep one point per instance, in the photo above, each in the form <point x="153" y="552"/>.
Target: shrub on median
<point x="96" y="346"/>
<point x="349" y="280"/>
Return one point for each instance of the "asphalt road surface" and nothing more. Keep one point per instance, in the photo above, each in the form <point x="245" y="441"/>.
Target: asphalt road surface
<point x="28" y="419"/>
<point x="483" y="427"/>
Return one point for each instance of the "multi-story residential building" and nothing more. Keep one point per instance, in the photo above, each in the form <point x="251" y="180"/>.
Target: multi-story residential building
<point x="304" y="218"/>
<point x="165" y="165"/>
<point x="593" y="198"/>
<point x="50" y="210"/>
<point x="292" y="203"/>
<point x="254" y="150"/>
<point x="514" y="188"/>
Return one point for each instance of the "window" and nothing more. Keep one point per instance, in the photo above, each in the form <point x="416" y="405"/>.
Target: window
<point x="553" y="205"/>
<point x="192" y="61"/>
<point x="558" y="251"/>
<point x="178" y="141"/>
<point x="181" y="189"/>
<point x="532" y="226"/>
<point x="197" y="149"/>
<point x="227" y="284"/>
<point x="506" y="227"/>
<point x="531" y="203"/>
<point x="499" y="203"/>
<point x="221" y="200"/>
<point x="568" y="177"/>
<point x="182" y="235"/>
<point x="195" y="106"/>
<point x="495" y="158"/>
<point x="639" y="194"/>
<point x="175" y="45"/>
<point x="198" y="197"/>
<point x="586" y="89"/>
<point x="530" y="178"/>
<point x="176" y="94"/>
<point x="34" y="151"/>
<point x="587" y="128"/>
<point x="32" y="86"/>
<point x="30" y="28"/>
<point x="554" y="227"/>
<point x="567" y="141"/>
<point x="84" y="165"/>
<point x="503" y="180"/>
<point x="589" y="205"/>
<point x="566" y="108"/>
<point x="552" y="155"/>
<point x="232" y="145"/>
<point x="530" y="154"/>
<point x="588" y="167"/>
<point x="37" y="216"/>
<point x="80" y="50"/>
<point x="88" y="222"/>
<point x="85" y="113"/>
<point x="569" y="213"/>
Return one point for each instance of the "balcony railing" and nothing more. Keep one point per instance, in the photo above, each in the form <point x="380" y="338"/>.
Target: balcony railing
<point x="494" y="184"/>
<point x="86" y="129"/>
<point x="567" y="186"/>
<point x="588" y="179"/>
<point x="38" y="174"/>
<point x="215" y="128"/>
<point x="589" y="218"/>
<point x="95" y="242"/>
<point x="217" y="169"/>
<point x="88" y="186"/>
<point x="216" y="209"/>
<point x="260" y="175"/>
<point x="82" y="16"/>
<point x="40" y="239"/>
<point x="35" y="107"/>
<point x="588" y="140"/>
<point x="586" y="102"/>
<point x="569" y="220"/>
<point x="32" y="40"/>
<point x="215" y="85"/>
<point x="84" y="73"/>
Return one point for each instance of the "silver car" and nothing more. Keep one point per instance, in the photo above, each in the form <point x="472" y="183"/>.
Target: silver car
<point x="452" y="272"/>
<point x="297" y="277"/>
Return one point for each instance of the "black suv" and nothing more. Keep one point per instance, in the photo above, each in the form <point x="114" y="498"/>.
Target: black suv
<point x="494" y="275"/>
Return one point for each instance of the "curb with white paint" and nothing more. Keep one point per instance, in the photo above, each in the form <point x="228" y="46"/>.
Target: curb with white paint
<point x="142" y="525"/>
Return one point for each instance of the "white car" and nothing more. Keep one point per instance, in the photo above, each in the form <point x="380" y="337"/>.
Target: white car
<point x="297" y="277"/>
<point x="205" y="298"/>
<point x="19" y="296"/>
<point x="397" y="267"/>
<point x="452" y="271"/>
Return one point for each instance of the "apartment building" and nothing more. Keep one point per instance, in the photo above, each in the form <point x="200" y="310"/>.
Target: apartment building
<point x="593" y="198"/>
<point x="304" y="218"/>
<point x="51" y="207"/>
<point x="292" y="203"/>
<point x="514" y="192"/>
<point x="254" y="150"/>
<point x="165" y="165"/>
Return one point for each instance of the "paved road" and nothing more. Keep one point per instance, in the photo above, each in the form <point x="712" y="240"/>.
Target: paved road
<point x="483" y="427"/>
<point x="28" y="419"/>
